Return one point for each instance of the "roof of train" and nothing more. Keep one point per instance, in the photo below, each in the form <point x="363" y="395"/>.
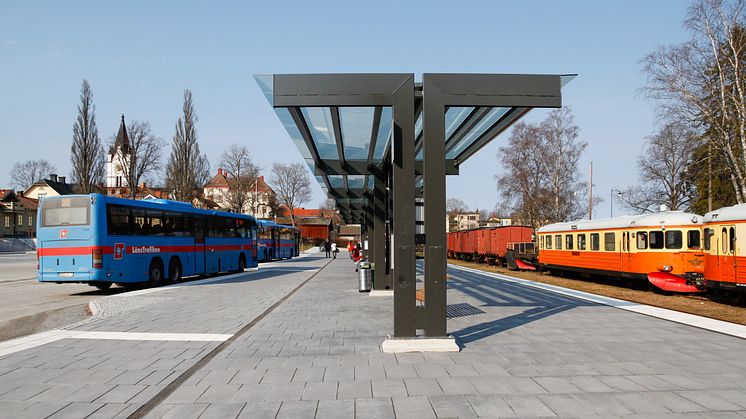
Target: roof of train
<point x="732" y="213"/>
<point x="644" y="220"/>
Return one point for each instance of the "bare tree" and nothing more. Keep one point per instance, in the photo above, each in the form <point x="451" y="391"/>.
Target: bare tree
<point x="703" y="81"/>
<point x="328" y="204"/>
<point x="87" y="152"/>
<point x="187" y="169"/>
<point x="541" y="181"/>
<point x="140" y="157"/>
<point x="455" y="206"/>
<point x="24" y="174"/>
<point x="292" y="185"/>
<point x="242" y="174"/>
<point x="663" y="171"/>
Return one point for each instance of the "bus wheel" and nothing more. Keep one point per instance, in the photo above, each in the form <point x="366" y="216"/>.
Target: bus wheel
<point x="103" y="286"/>
<point x="174" y="270"/>
<point x="241" y="263"/>
<point x="155" y="272"/>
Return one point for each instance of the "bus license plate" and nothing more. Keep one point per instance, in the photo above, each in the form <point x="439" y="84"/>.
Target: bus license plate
<point x="65" y="274"/>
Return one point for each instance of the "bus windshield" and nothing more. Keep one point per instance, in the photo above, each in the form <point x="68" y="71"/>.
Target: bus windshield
<point x="57" y="212"/>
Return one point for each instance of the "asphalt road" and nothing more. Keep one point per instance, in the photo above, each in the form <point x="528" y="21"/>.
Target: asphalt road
<point x="29" y="306"/>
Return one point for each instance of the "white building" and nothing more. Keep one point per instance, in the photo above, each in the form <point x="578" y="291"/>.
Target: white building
<point x="259" y="196"/>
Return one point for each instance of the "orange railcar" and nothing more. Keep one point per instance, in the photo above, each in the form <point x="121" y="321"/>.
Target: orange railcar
<point x="725" y="260"/>
<point x="664" y="248"/>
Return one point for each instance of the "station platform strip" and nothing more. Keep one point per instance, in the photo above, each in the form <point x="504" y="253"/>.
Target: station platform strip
<point x="295" y="339"/>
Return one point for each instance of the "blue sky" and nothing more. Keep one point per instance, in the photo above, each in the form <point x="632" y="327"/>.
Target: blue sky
<point x="140" y="55"/>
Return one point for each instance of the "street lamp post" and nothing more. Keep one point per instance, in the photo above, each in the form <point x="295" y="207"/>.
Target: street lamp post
<point x="611" y="200"/>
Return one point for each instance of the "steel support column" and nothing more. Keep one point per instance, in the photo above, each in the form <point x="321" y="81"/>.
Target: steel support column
<point x="403" y="216"/>
<point x="381" y="280"/>
<point x="433" y="128"/>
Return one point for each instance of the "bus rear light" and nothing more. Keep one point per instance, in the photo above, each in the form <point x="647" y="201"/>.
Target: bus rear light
<point x="98" y="258"/>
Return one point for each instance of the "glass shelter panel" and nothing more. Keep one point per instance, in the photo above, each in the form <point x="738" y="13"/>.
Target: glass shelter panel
<point x="319" y="121"/>
<point x="492" y="116"/>
<point x="357" y="124"/>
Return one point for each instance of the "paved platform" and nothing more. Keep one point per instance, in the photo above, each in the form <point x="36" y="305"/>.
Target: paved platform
<point x="526" y="352"/>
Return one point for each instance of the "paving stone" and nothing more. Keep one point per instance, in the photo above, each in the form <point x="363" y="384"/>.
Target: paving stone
<point x="489" y="405"/>
<point x="109" y="410"/>
<point x="369" y="372"/>
<point x="219" y="393"/>
<point x="389" y="388"/>
<point x="306" y="374"/>
<point x="335" y="409"/>
<point x="374" y="408"/>
<point x="528" y="406"/>
<point x="320" y="391"/>
<point x="456" y="386"/>
<point x="260" y="410"/>
<point x="286" y="392"/>
<point x="413" y="407"/>
<point x="77" y="410"/>
<point x="222" y="410"/>
<point x="185" y="411"/>
<point x="354" y="390"/>
<point x="452" y="406"/>
<point x="709" y="400"/>
<point x="345" y="373"/>
<point x="186" y="394"/>
<point x="422" y="387"/>
<point x="297" y="409"/>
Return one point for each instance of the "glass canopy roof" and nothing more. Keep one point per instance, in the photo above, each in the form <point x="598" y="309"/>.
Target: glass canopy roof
<point x="360" y="128"/>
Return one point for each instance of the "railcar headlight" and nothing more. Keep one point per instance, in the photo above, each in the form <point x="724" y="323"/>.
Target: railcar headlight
<point x="666" y="268"/>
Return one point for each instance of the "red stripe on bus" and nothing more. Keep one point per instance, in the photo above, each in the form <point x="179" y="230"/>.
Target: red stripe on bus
<point x="144" y="249"/>
<point x="73" y="251"/>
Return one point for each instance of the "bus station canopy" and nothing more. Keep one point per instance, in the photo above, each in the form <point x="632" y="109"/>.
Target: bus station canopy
<point x="344" y="143"/>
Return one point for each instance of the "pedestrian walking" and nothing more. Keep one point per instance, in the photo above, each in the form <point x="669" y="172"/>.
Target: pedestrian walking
<point x="327" y="248"/>
<point x="334" y="250"/>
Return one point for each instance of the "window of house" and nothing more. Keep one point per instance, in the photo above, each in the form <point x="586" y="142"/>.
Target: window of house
<point x="581" y="241"/>
<point x="609" y="242"/>
<point x="30" y="220"/>
<point x="558" y="242"/>
<point x="568" y="241"/>
<point x="7" y="221"/>
<point x="642" y="240"/>
<point x="692" y="239"/>
<point x="656" y="240"/>
<point x="595" y="241"/>
<point x="20" y="220"/>
<point x="674" y="239"/>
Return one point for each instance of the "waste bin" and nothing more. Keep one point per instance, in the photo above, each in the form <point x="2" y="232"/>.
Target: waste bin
<point x="366" y="277"/>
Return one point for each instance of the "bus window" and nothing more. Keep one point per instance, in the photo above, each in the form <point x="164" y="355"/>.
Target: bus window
<point x="732" y="239"/>
<point x="172" y="224"/>
<point x="594" y="241"/>
<point x="138" y="221"/>
<point x="692" y="239"/>
<point x="548" y="243"/>
<point x="58" y="212"/>
<point x="581" y="241"/>
<point x="154" y="222"/>
<point x="724" y="240"/>
<point x="558" y="242"/>
<point x="708" y="238"/>
<point x="118" y="220"/>
<point x="609" y="241"/>
<point x="674" y="239"/>
<point x="642" y="240"/>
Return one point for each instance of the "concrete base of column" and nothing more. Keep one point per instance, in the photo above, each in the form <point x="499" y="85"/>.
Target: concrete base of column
<point x="381" y="293"/>
<point x="398" y="345"/>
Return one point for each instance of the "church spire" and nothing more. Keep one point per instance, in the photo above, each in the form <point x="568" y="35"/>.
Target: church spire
<point x="122" y="142"/>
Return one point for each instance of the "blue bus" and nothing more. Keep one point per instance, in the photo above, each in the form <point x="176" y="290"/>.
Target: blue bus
<point x="100" y="240"/>
<point x="276" y="241"/>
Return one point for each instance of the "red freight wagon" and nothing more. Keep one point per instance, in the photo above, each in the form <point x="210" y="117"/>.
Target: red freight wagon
<point x="488" y="244"/>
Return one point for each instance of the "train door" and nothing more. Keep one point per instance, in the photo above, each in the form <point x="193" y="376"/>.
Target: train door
<point x="199" y="245"/>
<point x="624" y="261"/>
<point x="728" y="251"/>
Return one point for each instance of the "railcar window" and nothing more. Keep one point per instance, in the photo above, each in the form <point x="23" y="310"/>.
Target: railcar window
<point x="732" y="239"/>
<point x="708" y="238"/>
<point x="548" y="243"/>
<point x="609" y="241"/>
<point x="724" y="240"/>
<point x="568" y="241"/>
<point x="558" y="242"/>
<point x="594" y="241"/>
<point x="581" y="241"/>
<point x="642" y="240"/>
<point x="674" y="239"/>
<point x="118" y="220"/>
<point x="692" y="239"/>
<point x="655" y="240"/>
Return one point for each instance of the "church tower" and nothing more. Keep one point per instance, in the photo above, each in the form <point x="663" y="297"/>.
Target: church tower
<point x="118" y="157"/>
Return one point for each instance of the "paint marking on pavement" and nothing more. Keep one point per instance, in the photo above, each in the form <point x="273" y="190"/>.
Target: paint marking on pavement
<point x="701" y="322"/>
<point x="38" y="339"/>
